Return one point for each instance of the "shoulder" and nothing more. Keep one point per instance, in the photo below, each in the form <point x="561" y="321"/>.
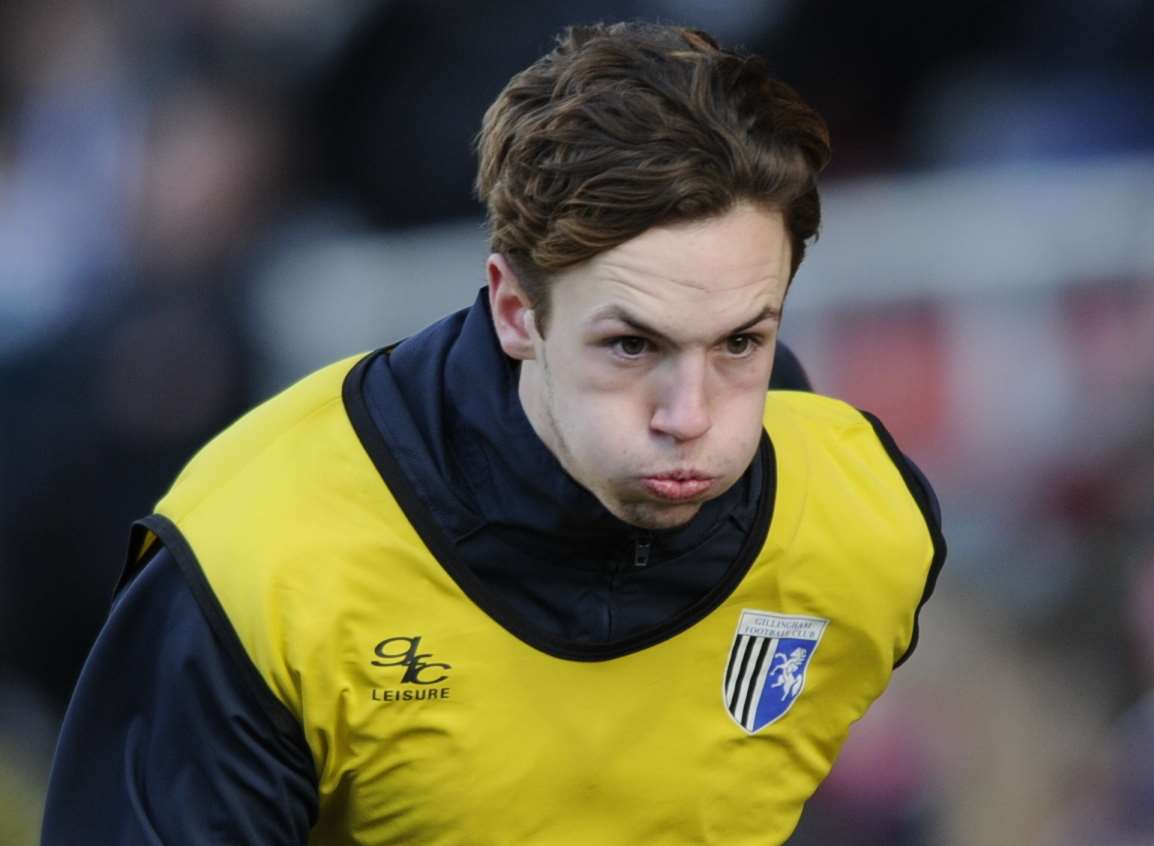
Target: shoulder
<point x="281" y="522"/>
<point x="806" y="406"/>
<point x="840" y="419"/>
<point x="837" y="426"/>
<point x="850" y="434"/>
<point x="280" y="491"/>
<point x="196" y="735"/>
<point x="300" y="416"/>
<point x="824" y="424"/>
<point x="841" y="463"/>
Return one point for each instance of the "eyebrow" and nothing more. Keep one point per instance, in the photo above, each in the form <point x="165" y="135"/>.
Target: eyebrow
<point x="616" y="312"/>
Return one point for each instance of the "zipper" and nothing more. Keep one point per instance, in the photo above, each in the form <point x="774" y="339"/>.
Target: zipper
<point x="641" y="546"/>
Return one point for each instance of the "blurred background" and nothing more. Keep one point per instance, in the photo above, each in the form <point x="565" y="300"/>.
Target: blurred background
<point x="202" y="201"/>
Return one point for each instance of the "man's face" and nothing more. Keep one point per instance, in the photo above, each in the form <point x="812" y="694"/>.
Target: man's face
<point x="650" y="382"/>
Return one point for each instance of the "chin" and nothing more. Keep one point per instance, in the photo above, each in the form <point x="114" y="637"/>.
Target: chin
<point x="656" y="518"/>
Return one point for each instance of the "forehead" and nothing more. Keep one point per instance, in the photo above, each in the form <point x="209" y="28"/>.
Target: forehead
<point x="701" y="276"/>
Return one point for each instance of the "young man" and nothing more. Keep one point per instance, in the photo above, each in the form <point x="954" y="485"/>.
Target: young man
<point x="556" y="569"/>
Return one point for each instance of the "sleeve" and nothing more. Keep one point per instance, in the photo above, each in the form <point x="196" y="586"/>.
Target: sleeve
<point x="165" y="741"/>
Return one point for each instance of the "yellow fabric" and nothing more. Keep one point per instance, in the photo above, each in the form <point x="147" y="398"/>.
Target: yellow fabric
<point x="321" y="574"/>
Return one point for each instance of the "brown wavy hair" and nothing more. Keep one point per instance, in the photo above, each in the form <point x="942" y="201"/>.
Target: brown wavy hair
<point x="627" y="126"/>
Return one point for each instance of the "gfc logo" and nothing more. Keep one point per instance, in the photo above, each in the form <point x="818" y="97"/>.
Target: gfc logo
<point x="418" y="670"/>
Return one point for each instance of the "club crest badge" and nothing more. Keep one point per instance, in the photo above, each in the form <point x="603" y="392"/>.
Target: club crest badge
<point x="766" y="669"/>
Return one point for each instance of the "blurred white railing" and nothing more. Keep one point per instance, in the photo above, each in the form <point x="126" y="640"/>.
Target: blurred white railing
<point x="999" y="230"/>
<point x="979" y="230"/>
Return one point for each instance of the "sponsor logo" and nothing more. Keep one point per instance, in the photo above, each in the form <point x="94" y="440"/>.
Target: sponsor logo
<point x="416" y="670"/>
<point x="765" y="672"/>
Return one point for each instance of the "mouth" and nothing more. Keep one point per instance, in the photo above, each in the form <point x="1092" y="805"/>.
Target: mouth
<point x="680" y="486"/>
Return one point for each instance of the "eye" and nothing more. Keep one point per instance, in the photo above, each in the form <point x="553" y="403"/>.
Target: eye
<point x="740" y="346"/>
<point x="630" y="346"/>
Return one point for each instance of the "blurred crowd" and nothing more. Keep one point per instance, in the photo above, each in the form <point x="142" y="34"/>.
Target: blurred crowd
<point x="201" y="201"/>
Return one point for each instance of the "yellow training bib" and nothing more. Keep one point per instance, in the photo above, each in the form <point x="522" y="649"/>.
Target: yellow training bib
<point x="434" y="719"/>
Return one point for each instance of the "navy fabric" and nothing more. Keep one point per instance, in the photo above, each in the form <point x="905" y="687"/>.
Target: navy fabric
<point x="927" y="492"/>
<point x="447" y="399"/>
<point x="788" y="374"/>
<point x="164" y="742"/>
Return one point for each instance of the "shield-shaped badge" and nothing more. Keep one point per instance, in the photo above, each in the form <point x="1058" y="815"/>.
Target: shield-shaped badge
<point x="765" y="672"/>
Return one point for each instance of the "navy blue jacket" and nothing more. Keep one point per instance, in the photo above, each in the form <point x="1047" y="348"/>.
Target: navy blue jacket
<point x="165" y="740"/>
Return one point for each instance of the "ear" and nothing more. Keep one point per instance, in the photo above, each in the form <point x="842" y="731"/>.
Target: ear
<point x="512" y="313"/>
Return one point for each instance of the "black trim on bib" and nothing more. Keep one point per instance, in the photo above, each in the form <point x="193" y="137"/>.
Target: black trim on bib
<point x="283" y="720"/>
<point x="442" y="549"/>
<point x="918" y="490"/>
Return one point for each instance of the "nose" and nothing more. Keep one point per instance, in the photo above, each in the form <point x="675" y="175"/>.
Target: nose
<point x="682" y="408"/>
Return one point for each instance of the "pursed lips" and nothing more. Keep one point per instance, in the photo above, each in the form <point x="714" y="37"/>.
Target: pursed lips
<point x="678" y="485"/>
